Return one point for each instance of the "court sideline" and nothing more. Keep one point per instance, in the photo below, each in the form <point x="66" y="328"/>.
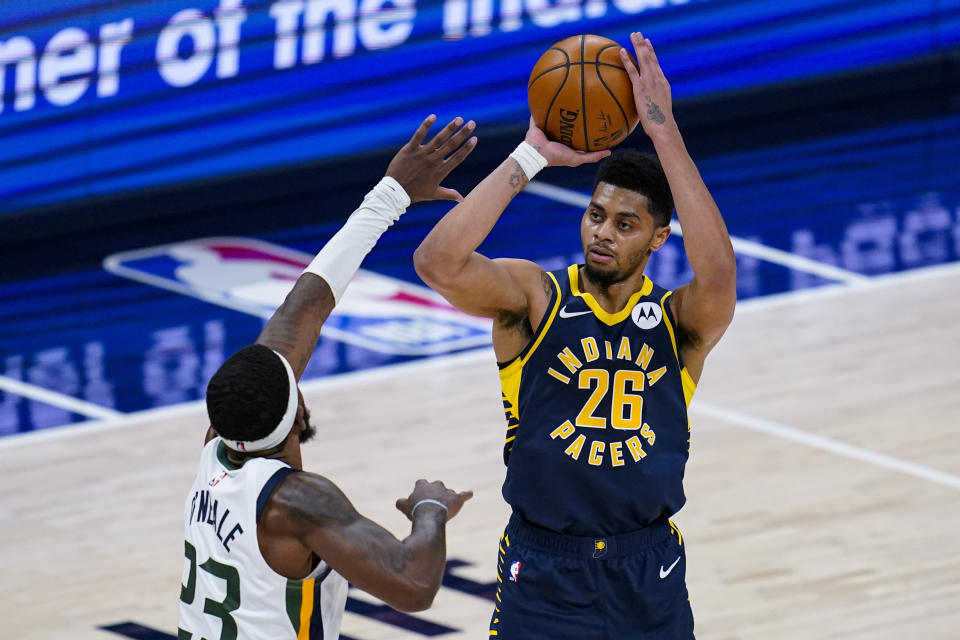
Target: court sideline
<point x="794" y="528"/>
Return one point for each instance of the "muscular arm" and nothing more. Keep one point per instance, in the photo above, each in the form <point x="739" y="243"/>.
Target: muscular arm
<point x="294" y="328"/>
<point x="419" y="169"/>
<point x="447" y="259"/>
<point x="512" y="292"/>
<point x="405" y="574"/>
<point x="704" y="306"/>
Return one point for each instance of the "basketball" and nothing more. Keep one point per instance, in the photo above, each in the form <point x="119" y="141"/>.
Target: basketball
<point x="580" y="94"/>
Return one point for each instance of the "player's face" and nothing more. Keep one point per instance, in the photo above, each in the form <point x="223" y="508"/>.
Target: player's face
<point x="618" y="234"/>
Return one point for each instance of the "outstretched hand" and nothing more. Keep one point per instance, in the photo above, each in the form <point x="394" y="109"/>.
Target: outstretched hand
<point x="420" y="167"/>
<point x="436" y="490"/>
<point x="557" y="154"/>
<point x="651" y="91"/>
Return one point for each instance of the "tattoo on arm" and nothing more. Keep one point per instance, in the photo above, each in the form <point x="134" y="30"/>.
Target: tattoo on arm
<point x="547" y="282"/>
<point x="294" y="328"/>
<point x="518" y="179"/>
<point x="653" y="112"/>
<point x="312" y="502"/>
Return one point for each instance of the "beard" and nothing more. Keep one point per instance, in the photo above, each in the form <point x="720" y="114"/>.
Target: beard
<point x="603" y="278"/>
<point x="308" y="431"/>
<point x="306" y="435"/>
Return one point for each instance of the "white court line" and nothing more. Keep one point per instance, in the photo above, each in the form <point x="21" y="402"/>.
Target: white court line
<point x="740" y="245"/>
<point x="486" y="355"/>
<point x="178" y="411"/>
<point x="56" y="399"/>
<point x="761" y="425"/>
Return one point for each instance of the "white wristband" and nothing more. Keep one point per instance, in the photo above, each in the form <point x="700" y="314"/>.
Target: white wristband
<point x="529" y="159"/>
<point x="428" y="501"/>
<point x="340" y="258"/>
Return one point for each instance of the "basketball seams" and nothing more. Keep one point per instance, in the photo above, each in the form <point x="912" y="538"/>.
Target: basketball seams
<point x="566" y="74"/>
<point x="583" y="91"/>
<point x="591" y="95"/>
<point x="572" y="64"/>
<point x="626" y="120"/>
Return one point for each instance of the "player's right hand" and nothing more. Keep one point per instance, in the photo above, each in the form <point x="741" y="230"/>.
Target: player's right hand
<point x="557" y="154"/>
<point x="421" y="166"/>
<point x="424" y="490"/>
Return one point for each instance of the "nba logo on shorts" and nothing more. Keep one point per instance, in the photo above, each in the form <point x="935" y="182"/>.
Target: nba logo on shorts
<point x="515" y="571"/>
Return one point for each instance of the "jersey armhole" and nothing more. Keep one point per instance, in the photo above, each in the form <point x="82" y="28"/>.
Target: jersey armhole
<point x="269" y="487"/>
<point x="545" y="322"/>
<point x="671" y="322"/>
<point x="686" y="380"/>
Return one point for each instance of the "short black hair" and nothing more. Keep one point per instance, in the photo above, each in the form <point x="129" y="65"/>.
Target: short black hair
<point x="640" y="172"/>
<point x="248" y="395"/>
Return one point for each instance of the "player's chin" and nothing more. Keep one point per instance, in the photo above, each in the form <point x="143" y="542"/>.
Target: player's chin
<point x="601" y="274"/>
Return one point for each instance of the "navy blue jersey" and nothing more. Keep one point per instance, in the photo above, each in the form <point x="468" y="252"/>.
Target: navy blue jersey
<point x="597" y="429"/>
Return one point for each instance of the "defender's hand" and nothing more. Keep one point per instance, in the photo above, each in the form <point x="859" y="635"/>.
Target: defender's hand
<point x="433" y="491"/>
<point x="421" y="167"/>
<point x="557" y="154"/>
<point x="651" y="91"/>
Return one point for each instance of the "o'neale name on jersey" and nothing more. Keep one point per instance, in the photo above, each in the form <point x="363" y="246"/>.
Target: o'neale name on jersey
<point x="203" y="510"/>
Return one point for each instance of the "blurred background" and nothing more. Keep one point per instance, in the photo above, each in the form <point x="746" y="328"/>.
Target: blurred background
<point x="828" y="131"/>
<point x="167" y="168"/>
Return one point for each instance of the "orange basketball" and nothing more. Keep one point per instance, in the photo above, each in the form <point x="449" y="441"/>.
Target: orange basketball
<point x="580" y="94"/>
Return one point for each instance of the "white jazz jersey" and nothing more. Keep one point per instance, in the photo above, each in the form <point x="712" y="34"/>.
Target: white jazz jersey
<point x="228" y="590"/>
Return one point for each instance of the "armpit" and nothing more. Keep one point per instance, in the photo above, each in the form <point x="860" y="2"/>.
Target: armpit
<point x="515" y="321"/>
<point x="687" y="338"/>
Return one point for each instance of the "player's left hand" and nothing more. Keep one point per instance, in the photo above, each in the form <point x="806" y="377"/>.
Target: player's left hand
<point x="651" y="91"/>
<point x="421" y="166"/>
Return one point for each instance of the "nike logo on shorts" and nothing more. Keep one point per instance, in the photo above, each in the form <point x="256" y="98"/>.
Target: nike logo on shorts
<point x="572" y="314"/>
<point x="665" y="572"/>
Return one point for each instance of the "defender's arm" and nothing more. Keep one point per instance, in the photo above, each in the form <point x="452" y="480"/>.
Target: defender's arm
<point x="405" y="574"/>
<point x="447" y="259"/>
<point x="704" y="306"/>
<point x="418" y="169"/>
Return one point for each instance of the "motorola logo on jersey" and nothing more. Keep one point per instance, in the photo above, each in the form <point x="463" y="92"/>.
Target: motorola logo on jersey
<point x="647" y="315"/>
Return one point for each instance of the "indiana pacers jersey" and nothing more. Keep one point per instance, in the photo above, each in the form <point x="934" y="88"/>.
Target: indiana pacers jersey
<point x="597" y="430"/>
<point x="229" y="591"/>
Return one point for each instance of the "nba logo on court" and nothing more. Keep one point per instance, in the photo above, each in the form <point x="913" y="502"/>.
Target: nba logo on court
<point x="515" y="571"/>
<point x="379" y="313"/>
<point x="647" y="315"/>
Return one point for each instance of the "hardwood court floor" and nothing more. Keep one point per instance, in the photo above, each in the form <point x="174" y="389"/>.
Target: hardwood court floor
<point x="789" y="534"/>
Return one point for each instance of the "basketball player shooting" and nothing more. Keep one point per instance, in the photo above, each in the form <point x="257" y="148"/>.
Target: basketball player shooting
<point x="597" y="366"/>
<point x="270" y="547"/>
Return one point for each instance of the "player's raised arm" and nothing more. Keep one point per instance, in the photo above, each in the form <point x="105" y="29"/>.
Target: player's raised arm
<point x="405" y="574"/>
<point x="703" y="307"/>
<point x="414" y="175"/>
<point x="447" y="259"/>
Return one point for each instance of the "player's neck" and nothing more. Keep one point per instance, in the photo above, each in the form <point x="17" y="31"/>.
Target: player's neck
<point x="614" y="297"/>
<point x="290" y="454"/>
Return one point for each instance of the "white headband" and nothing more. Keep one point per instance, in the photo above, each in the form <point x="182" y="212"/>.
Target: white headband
<point x="282" y="430"/>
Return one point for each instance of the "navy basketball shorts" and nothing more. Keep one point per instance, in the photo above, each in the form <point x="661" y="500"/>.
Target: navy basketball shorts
<point x="625" y="587"/>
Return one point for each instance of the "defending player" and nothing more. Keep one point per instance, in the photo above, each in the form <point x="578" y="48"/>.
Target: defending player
<point x="597" y="368"/>
<point x="270" y="547"/>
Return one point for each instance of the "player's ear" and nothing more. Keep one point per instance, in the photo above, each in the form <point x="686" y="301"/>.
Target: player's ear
<point x="660" y="236"/>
